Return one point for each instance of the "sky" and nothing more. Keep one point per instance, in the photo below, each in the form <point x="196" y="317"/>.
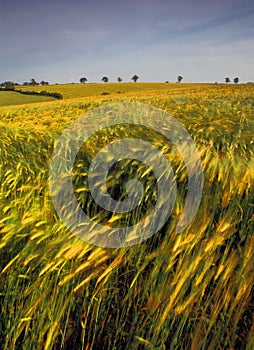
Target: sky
<point x="62" y="41"/>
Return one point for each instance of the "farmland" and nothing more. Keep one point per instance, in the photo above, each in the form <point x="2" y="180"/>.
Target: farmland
<point x="96" y="89"/>
<point x="188" y="290"/>
<point x="9" y="98"/>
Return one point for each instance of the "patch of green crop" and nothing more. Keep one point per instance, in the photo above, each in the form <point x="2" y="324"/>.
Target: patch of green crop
<point x="8" y="98"/>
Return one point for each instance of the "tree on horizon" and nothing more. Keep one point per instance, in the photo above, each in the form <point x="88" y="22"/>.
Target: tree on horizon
<point x="135" y="78"/>
<point x="33" y="82"/>
<point x="236" y="80"/>
<point x="105" y="79"/>
<point x="119" y="80"/>
<point x="8" y="85"/>
<point x="227" y="80"/>
<point x="179" y="78"/>
<point x="83" y="80"/>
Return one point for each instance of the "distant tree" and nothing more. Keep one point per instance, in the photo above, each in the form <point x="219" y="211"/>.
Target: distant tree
<point x="9" y="85"/>
<point x="135" y="78"/>
<point x="42" y="82"/>
<point x="179" y="78"/>
<point x="119" y="80"/>
<point x="33" y="82"/>
<point x="227" y="80"/>
<point x="82" y="80"/>
<point x="105" y="79"/>
<point x="236" y="80"/>
<point x="26" y="83"/>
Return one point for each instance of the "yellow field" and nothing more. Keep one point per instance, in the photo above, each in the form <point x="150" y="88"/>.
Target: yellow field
<point x="190" y="101"/>
<point x="97" y="89"/>
<point x="191" y="290"/>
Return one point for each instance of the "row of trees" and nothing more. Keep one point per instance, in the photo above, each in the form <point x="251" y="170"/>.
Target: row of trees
<point x="34" y="82"/>
<point x="235" y="80"/>
<point x="10" y="85"/>
<point x="105" y="79"/>
<point x="135" y="78"/>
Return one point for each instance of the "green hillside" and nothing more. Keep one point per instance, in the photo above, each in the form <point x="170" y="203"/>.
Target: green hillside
<point x="8" y="98"/>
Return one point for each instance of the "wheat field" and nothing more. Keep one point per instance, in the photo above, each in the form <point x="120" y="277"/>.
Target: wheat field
<point x="190" y="290"/>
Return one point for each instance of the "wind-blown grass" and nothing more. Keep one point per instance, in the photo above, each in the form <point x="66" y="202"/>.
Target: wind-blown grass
<point x="191" y="290"/>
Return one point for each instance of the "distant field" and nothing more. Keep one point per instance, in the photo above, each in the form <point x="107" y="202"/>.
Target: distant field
<point x="8" y="98"/>
<point x="95" y="89"/>
<point x="188" y="100"/>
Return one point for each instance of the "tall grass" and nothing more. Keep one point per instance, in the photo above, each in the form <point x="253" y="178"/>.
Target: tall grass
<point x="189" y="290"/>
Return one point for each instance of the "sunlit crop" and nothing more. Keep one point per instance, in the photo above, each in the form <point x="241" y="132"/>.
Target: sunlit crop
<point x="191" y="290"/>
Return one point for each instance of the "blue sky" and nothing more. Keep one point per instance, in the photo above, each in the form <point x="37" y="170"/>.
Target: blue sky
<point x="61" y="41"/>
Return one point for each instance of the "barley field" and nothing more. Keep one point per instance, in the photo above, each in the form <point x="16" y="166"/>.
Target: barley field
<point x="192" y="290"/>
